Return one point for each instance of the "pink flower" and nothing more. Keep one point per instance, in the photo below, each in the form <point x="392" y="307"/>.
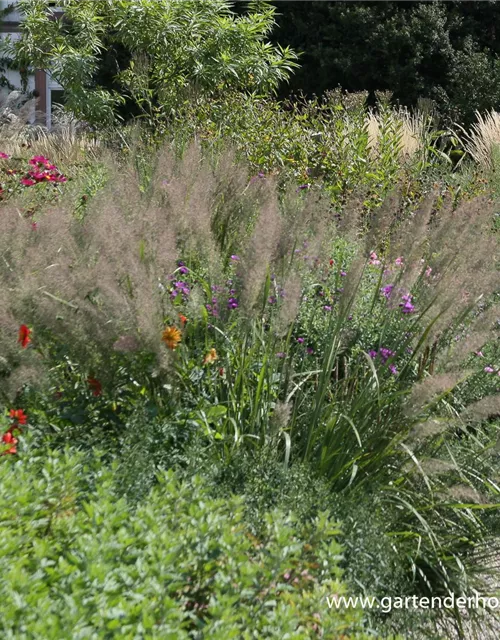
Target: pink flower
<point x="489" y="370"/>
<point x="399" y="261"/>
<point x="479" y="354"/>
<point x="428" y="272"/>
<point x="374" y="258"/>
<point x="37" y="160"/>
<point x="4" y="155"/>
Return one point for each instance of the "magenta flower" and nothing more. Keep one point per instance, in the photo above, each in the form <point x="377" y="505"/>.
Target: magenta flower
<point x="300" y="340"/>
<point x="27" y="182"/>
<point x="232" y="303"/>
<point x="37" y="160"/>
<point x="310" y="350"/>
<point x="235" y="258"/>
<point x="4" y="155"/>
<point x="489" y="369"/>
<point x="387" y="290"/>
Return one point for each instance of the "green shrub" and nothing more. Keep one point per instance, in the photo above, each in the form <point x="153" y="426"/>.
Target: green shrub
<point x="84" y="564"/>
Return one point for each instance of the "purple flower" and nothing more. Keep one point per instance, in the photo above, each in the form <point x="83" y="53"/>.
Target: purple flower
<point x="272" y="299"/>
<point x="300" y="340"/>
<point x="259" y="175"/>
<point x="393" y="370"/>
<point x="387" y="291"/>
<point x="212" y="310"/>
<point x="235" y="258"/>
<point x="182" y="267"/>
<point x="310" y="350"/>
<point x="372" y="353"/>
<point x="343" y="273"/>
<point x="327" y="307"/>
<point x="180" y="288"/>
<point x="385" y="354"/>
<point x="303" y="186"/>
<point x="489" y="370"/>
<point x="349" y="318"/>
<point x="406" y="305"/>
<point x="232" y="303"/>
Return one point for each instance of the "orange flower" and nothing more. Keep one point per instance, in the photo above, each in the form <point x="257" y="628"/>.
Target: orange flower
<point x="183" y="319"/>
<point x="95" y="385"/>
<point x="24" y="336"/>
<point x="211" y="357"/>
<point x="18" y="416"/>
<point x="171" y="336"/>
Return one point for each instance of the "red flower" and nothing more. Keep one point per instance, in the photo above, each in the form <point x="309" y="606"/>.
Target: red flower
<point x="183" y="319"/>
<point x="24" y="336"/>
<point x="332" y="262"/>
<point x="95" y="385"/>
<point x="10" y="451"/>
<point x="18" y="416"/>
<point x="8" y="438"/>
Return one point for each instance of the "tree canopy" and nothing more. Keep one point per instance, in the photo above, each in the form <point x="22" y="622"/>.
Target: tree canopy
<point x="446" y="51"/>
<point x="149" y="54"/>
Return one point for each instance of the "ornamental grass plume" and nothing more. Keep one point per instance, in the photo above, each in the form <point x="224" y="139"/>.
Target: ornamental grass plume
<point x="485" y="409"/>
<point x="483" y="137"/>
<point x="290" y="303"/>
<point x="425" y="392"/>
<point x="260" y="251"/>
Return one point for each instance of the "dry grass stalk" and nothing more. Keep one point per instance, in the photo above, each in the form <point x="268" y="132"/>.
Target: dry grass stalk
<point x="483" y="137"/>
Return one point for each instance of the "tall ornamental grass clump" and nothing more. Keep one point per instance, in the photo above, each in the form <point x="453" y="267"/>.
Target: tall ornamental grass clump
<point x="247" y="320"/>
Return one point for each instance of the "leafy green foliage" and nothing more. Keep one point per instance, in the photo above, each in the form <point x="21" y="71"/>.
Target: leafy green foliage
<point x="173" y="51"/>
<point x="180" y="564"/>
<point x="446" y="51"/>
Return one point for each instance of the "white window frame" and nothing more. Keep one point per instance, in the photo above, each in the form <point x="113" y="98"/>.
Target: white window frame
<point x="52" y="85"/>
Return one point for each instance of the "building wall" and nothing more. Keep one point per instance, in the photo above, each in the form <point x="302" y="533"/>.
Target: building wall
<point x="39" y="81"/>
